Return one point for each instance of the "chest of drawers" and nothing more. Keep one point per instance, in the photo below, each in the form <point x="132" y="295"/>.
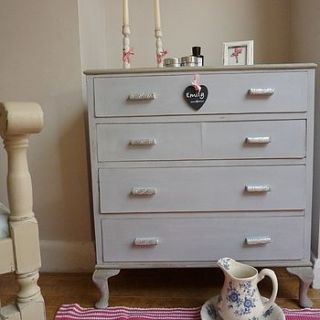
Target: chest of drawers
<point x="176" y="187"/>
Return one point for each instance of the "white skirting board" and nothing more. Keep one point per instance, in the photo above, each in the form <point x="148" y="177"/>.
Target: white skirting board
<point x="64" y="256"/>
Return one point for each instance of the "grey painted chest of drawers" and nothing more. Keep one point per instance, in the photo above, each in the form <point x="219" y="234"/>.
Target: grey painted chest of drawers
<point x="178" y="187"/>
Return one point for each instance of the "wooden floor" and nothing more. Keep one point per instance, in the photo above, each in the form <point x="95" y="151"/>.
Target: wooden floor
<point x="149" y="288"/>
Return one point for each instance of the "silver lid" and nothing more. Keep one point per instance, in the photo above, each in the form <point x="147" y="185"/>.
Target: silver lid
<point x="191" y="59"/>
<point x="170" y="61"/>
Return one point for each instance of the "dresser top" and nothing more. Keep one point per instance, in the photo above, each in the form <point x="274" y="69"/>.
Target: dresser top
<point x="203" y="69"/>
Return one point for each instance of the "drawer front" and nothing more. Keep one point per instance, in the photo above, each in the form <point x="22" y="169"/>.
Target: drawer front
<point x="208" y="140"/>
<point x="186" y="189"/>
<point x="227" y="93"/>
<point x="156" y="141"/>
<point x="202" y="239"/>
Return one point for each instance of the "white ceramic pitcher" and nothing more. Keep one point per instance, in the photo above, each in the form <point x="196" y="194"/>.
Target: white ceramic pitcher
<point x="240" y="297"/>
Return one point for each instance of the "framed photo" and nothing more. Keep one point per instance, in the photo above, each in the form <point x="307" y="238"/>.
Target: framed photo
<point x="238" y="53"/>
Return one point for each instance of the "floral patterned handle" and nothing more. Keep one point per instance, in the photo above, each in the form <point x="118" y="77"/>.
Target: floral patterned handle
<point x="269" y="273"/>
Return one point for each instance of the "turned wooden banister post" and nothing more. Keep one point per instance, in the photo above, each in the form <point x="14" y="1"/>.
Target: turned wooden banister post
<point x="17" y="121"/>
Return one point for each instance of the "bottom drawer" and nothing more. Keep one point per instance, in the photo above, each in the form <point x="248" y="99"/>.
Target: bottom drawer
<point x="201" y="239"/>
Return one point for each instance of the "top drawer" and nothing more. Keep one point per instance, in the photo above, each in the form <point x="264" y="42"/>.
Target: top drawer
<point x="227" y="93"/>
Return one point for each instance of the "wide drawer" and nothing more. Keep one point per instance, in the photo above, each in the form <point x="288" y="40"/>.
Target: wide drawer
<point x="202" y="239"/>
<point x="207" y="140"/>
<point x="202" y="189"/>
<point x="227" y="93"/>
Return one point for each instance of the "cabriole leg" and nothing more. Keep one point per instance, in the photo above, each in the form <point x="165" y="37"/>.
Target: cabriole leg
<point x="100" y="278"/>
<point x="305" y="275"/>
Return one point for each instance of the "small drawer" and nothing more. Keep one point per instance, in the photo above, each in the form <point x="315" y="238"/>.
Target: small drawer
<point x="254" y="139"/>
<point x="149" y="141"/>
<point x="208" y="140"/>
<point x="234" y="92"/>
<point x="186" y="189"/>
<point x="158" y="239"/>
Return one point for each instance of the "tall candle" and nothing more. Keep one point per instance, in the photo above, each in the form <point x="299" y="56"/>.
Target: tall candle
<point x="125" y="12"/>
<point x="157" y="14"/>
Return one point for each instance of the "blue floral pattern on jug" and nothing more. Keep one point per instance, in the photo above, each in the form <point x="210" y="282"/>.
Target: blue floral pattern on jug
<point x="225" y="263"/>
<point x="242" y="298"/>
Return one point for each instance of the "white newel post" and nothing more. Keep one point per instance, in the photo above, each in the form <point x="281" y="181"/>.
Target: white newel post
<point x="17" y="121"/>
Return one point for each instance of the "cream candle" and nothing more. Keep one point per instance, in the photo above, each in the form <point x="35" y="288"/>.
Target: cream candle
<point x="157" y="14"/>
<point x="126" y="50"/>
<point x="125" y="12"/>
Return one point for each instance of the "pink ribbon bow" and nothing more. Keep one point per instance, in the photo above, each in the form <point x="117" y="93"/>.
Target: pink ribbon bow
<point x="126" y="55"/>
<point x="196" y="83"/>
<point x="161" y="55"/>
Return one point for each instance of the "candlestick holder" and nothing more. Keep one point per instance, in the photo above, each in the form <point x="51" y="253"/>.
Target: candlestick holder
<point x="127" y="51"/>
<point x="160" y="53"/>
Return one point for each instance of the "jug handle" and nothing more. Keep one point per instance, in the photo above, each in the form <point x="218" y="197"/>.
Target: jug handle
<point x="269" y="273"/>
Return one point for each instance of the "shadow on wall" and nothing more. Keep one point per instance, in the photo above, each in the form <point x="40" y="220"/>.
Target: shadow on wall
<point x="75" y="178"/>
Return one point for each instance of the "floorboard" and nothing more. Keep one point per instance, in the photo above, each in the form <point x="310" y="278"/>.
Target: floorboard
<point x="149" y="288"/>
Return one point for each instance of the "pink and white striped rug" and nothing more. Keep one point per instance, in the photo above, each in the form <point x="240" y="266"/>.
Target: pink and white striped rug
<point x="75" y="312"/>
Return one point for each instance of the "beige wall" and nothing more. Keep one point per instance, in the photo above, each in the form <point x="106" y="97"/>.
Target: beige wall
<point x="207" y="23"/>
<point x="41" y="59"/>
<point x="305" y="27"/>
<point x="305" y="46"/>
<point x="93" y="39"/>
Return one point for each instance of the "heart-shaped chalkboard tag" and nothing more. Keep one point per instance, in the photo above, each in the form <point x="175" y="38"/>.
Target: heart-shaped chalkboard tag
<point x="194" y="98"/>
